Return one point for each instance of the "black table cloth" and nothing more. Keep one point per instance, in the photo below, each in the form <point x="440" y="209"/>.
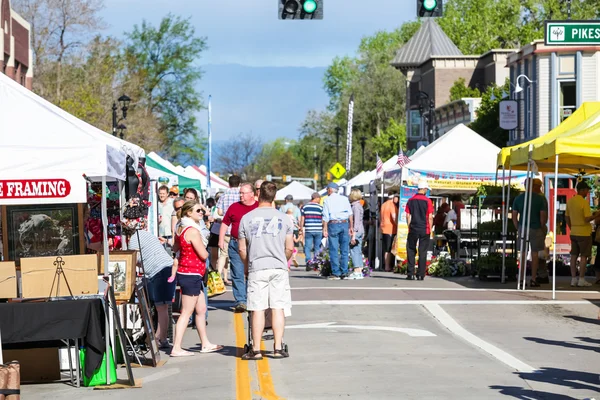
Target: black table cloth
<point x="54" y="320"/>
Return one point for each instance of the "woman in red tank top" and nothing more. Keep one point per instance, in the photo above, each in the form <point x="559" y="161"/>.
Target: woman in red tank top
<point x="191" y="269"/>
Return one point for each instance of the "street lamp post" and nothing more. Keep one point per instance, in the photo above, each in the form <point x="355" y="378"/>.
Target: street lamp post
<point x="363" y="142"/>
<point x="519" y="89"/>
<point x="338" y="132"/>
<point x="430" y="117"/>
<point x="124" y="101"/>
<point x="426" y="104"/>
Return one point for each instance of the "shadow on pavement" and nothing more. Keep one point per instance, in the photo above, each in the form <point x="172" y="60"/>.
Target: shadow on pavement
<point x="529" y="394"/>
<point x="592" y="321"/>
<point x="564" y="344"/>
<point x="228" y="351"/>
<point x="307" y="277"/>
<point x="577" y="380"/>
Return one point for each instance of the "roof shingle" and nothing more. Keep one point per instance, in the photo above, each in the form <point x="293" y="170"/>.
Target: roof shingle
<point x="430" y="40"/>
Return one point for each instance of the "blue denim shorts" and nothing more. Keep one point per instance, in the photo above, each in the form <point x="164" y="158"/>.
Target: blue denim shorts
<point x="160" y="290"/>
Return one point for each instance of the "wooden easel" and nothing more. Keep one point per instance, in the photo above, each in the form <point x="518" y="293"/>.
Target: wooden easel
<point x="111" y="302"/>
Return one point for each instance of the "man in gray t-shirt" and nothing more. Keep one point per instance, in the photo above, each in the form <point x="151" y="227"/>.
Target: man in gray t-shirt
<point x="266" y="243"/>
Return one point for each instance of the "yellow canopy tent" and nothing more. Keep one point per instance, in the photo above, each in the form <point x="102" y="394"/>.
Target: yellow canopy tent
<point x="517" y="156"/>
<point x="575" y="143"/>
<point x="577" y="153"/>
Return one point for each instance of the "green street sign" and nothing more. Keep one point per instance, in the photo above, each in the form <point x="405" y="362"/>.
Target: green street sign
<point x="571" y="33"/>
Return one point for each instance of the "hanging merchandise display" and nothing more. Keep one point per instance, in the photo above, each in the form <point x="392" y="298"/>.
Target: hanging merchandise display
<point x="93" y="223"/>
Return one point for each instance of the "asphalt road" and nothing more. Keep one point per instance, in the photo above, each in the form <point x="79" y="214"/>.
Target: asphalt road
<point x="387" y="338"/>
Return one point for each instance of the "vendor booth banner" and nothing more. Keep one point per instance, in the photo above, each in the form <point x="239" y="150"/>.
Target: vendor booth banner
<point x="41" y="190"/>
<point x="451" y="180"/>
<point x="402" y="233"/>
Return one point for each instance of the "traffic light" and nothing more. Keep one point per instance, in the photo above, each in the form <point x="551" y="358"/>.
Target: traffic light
<point x="430" y="8"/>
<point x="300" y="9"/>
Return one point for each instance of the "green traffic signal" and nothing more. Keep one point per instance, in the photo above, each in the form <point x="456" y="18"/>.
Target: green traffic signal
<point x="310" y="6"/>
<point x="429" y="5"/>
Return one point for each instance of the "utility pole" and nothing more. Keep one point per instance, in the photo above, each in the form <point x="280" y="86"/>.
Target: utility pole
<point x="338" y="132"/>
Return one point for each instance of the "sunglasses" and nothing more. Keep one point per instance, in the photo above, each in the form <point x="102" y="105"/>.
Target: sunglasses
<point x="199" y="211"/>
<point x="172" y="194"/>
<point x="177" y="208"/>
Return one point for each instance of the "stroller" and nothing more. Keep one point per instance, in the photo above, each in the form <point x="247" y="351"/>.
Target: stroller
<point x="268" y="327"/>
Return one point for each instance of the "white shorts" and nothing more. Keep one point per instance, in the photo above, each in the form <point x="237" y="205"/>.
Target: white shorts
<point x="269" y="288"/>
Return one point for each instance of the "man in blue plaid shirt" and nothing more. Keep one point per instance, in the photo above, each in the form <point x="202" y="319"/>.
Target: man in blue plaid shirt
<point x="231" y="195"/>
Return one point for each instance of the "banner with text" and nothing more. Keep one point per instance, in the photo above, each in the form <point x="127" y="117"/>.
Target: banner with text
<point x="41" y="190"/>
<point x="406" y="192"/>
<point x="456" y="180"/>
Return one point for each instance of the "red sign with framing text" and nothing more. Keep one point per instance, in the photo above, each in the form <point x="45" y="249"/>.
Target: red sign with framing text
<point x="34" y="188"/>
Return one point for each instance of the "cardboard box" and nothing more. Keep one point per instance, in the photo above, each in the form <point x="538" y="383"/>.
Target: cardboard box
<point x="38" y="274"/>
<point x="8" y="280"/>
<point x="37" y="365"/>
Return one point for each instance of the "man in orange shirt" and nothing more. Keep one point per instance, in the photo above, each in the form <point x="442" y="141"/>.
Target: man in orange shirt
<point x="389" y="226"/>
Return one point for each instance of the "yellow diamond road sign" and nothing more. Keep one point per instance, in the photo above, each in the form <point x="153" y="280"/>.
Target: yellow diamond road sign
<point x="338" y="170"/>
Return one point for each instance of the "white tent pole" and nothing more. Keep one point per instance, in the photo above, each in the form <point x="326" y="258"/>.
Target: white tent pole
<point x="522" y="236"/>
<point x="503" y="223"/>
<point x="554" y="230"/>
<point x="122" y="201"/>
<point x="106" y="271"/>
<point x="104" y="216"/>
<point x="528" y="220"/>
<point x="506" y="222"/>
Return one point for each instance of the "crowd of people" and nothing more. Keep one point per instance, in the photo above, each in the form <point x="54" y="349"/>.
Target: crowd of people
<point x="250" y="243"/>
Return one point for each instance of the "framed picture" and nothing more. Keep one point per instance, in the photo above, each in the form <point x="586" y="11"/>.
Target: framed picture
<point x="42" y="231"/>
<point x="121" y="264"/>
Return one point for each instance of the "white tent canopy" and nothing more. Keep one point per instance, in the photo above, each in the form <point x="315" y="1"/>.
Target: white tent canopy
<point x="216" y="183"/>
<point x="459" y="161"/>
<point x="297" y="190"/>
<point x="459" y="150"/>
<point x="40" y="145"/>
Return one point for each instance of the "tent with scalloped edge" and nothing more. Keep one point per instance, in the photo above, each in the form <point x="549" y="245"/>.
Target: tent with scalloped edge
<point x="583" y="118"/>
<point x="158" y="167"/>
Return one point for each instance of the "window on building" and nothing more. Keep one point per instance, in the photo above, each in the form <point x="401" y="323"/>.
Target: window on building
<point x="567" y="102"/>
<point x="415" y="124"/>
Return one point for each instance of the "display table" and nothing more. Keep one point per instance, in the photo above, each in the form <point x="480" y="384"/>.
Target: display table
<point x="57" y="320"/>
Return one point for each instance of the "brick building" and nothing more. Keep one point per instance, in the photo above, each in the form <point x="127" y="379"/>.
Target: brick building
<point x="432" y="64"/>
<point x="16" y="57"/>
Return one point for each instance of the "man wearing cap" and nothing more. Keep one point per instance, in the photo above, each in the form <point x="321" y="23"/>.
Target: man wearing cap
<point x="289" y="204"/>
<point x="389" y="227"/>
<point x="537" y="225"/>
<point x="337" y="223"/>
<point x="311" y="224"/>
<point x="419" y="217"/>
<point x="579" y="215"/>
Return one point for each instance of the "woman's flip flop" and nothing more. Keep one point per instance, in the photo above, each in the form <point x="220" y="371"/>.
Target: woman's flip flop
<point x="182" y="354"/>
<point x="212" y="349"/>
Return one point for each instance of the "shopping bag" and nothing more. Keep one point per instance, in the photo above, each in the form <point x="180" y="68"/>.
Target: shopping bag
<point x="215" y="284"/>
<point x="99" y="377"/>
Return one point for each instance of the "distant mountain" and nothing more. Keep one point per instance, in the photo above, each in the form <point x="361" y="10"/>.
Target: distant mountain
<point x="268" y="101"/>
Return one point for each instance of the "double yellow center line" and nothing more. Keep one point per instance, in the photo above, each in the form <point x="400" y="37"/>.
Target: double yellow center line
<point x="266" y="389"/>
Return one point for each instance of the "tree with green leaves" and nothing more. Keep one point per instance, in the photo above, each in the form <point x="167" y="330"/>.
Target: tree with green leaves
<point x="164" y="60"/>
<point x="477" y="26"/>
<point x="487" y="123"/>
<point x="460" y="90"/>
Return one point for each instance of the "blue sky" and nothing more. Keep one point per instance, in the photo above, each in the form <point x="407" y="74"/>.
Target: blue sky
<point x="249" y="33"/>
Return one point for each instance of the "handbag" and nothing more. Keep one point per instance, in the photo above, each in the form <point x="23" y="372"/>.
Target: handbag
<point x="215" y="285"/>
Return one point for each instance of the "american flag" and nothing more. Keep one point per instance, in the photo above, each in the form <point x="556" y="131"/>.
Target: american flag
<point x="402" y="159"/>
<point x="379" y="166"/>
